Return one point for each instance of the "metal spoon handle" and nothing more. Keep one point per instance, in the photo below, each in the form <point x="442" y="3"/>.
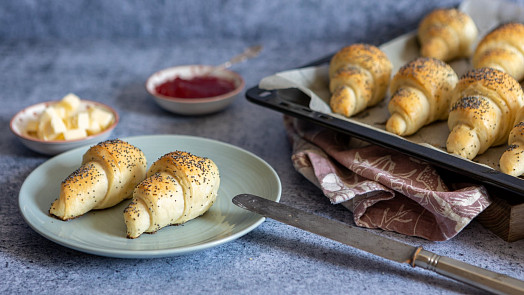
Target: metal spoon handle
<point x="250" y="52"/>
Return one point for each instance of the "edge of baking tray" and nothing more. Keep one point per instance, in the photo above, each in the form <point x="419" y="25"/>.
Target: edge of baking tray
<point x="295" y="103"/>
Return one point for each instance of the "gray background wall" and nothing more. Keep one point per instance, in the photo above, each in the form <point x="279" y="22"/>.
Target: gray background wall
<point x="293" y="20"/>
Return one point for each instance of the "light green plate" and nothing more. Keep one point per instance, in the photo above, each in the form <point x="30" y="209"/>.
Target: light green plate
<point x="103" y="232"/>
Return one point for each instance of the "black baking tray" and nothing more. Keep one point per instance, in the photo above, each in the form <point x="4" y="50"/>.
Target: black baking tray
<point x="294" y="102"/>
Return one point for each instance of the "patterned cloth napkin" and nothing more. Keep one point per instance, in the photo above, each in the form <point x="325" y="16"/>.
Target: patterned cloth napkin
<point x="383" y="188"/>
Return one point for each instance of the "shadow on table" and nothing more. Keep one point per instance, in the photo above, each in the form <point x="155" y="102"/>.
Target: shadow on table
<point x="351" y="258"/>
<point x="134" y="98"/>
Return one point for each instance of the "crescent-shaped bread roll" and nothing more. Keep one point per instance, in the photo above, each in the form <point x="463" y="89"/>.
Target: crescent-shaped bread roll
<point x="502" y="49"/>
<point x="483" y="109"/>
<point x="421" y="94"/>
<point x="359" y="77"/>
<point x="512" y="160"/>
<point x="446" y="34"/>
<point x="109" y="172"/>
<point x="179" y="187"/>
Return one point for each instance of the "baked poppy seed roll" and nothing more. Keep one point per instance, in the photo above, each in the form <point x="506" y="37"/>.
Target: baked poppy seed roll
<point x="502" y="49"/>
<point x="109" y="172"/>
<point x="483" y="109"/>
<point x="179" y="187"/>
<point x="446" y="34"/>
<point x="420" y="94"/>
<point x="359" y="78"/>
<point x="512" y="160"/>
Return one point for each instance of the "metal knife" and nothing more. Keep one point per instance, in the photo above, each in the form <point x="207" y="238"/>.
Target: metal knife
<point x="382" y="246"/>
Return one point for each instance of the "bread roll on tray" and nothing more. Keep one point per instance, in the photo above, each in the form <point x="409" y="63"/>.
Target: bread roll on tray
<point x="502" y="49"/>
<point x="420" y="94"/>
<point x="483" y="109"/>
<point x="359" y="77"/>
<point x="512" y="160"/>
<point x="446" y="34"/>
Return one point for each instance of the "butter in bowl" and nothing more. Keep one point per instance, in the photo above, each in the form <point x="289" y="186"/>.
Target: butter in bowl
<point x="194" y="89"/>
<point x="54" y="127"/>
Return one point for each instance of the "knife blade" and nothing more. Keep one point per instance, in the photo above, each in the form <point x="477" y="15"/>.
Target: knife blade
<point x="381" y="246"/>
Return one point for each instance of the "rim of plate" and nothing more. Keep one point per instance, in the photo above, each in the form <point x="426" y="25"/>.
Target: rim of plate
<point x="125" y="253"/>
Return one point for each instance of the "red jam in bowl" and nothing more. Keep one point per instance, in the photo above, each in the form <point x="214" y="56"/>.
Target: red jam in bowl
<point x="197" y="87"/>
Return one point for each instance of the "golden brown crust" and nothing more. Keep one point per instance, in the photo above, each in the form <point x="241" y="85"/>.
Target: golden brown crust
<point x="365" y="70"/>
<point x="446" y="34"/>
<point x="484" y="81"/>
<point x="430" y="74"/>
<point x="125" y="165"/>
<point x="179" y="187"/>
<point x="157" y="194"/>
<point x="483" y="109"/>
<point x="512" y="33"/>
<point x="512" y="160"/>
<point x="503" y="49"/>
<point x="109" y="172"/>
<point x="421" y="93"/>
<point x="199" y="169"/>
<point x="350" y="79"/>
<point x="366" y="56"/>
<point x="85" y="187"/>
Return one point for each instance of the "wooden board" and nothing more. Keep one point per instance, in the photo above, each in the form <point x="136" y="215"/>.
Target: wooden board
<point x="505" y="216"/>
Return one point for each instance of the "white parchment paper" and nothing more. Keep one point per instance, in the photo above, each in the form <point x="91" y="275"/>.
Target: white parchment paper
<point x="314" y="81"/>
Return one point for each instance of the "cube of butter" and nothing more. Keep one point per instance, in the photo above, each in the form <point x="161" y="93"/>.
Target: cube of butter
<point x="73" y="134"/>
<point x="47" y="114"/>
<point x="51" y="125"/>
<point x="60" y="111"/>
<point x="70" y="103"/>
<point x="57" y="125"/>
<point x="81" y="120"/>
<point x="103" y="117"/>
<point x="94" y="128"/>
<point x="31" y="126"/>
<point x="46" y="131"/>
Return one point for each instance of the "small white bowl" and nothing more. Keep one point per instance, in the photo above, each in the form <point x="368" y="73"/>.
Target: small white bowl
<point x="52" y="147"/>
<point x="193" y="106"/>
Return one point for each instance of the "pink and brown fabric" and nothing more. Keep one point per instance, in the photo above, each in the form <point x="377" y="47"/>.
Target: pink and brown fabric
<point x="383" y="188"/>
